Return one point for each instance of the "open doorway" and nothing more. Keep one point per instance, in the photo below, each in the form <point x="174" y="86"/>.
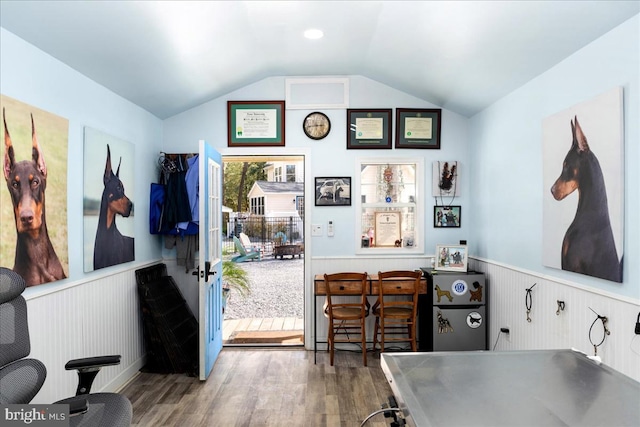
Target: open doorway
<point x="263" y="250"/>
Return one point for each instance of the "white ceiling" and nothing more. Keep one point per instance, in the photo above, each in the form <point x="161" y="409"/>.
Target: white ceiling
<point x="168" y="56"/>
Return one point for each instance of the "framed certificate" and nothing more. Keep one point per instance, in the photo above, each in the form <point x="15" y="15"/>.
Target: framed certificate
<point x="369" y="129"/>
<point x="418" y="128"/>
<point x="255" y="123"/>
<point x="387" y="231"/>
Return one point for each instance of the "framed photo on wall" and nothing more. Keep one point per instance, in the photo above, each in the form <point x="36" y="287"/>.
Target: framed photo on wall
<point x="446" y="216"/>
<point x="451" y="258"/>
<point x="369" y="129"/>
<point x="418" y="128"/>
<point x="255" y="123"/>
<point x="333" y="191"/>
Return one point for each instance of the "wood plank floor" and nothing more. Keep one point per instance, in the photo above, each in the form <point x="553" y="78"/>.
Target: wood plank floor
<point x="265" y="387"/>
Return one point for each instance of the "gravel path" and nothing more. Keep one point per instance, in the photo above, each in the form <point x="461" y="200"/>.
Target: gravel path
<point x="277" y="290"/>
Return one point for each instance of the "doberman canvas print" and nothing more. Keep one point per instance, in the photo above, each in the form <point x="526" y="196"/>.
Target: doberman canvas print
<point x="33" y="218"/>
<point x="583" y="192"/>
<point x="108" y="205"/>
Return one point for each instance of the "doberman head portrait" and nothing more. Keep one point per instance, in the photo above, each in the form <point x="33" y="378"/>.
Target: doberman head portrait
<point x="588" y="246"/>
<point x="111" y="247"/>
<point x="35" y="258"/>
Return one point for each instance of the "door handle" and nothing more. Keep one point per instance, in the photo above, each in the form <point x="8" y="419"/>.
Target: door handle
<point x="207" y="271"/>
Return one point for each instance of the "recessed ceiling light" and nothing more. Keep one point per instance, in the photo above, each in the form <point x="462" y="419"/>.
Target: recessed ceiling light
<point x="313" y="34"/>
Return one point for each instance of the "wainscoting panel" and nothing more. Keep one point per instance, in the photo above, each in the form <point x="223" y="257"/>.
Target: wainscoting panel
<point x="92" y="318"/>
<point x="569" y="328"/>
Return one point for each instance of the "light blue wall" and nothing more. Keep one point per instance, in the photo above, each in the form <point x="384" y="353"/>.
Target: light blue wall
<point x="33" y="77"/>
<point x="506" y="152"/>
<point x="329" y="156"/>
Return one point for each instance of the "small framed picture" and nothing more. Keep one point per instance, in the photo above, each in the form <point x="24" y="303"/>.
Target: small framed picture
<point x="446" y="216"/>
<point x="333" y="191"/>
<point x="451" y="258"/>
<point x="369" y="129"/>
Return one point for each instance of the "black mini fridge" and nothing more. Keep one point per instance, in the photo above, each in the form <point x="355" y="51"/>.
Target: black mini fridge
<point x="453" y="314"/>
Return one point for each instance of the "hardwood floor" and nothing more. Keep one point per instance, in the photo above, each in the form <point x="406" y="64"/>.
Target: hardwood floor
<point x="265" y="387"/>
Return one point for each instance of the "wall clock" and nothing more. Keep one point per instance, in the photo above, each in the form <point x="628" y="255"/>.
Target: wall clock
<point x="316" y="125"/>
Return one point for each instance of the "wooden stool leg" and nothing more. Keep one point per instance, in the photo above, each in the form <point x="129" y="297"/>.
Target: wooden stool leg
<point x="364" y="341"/>
<point x="330" y="343"/>
<point x="375" y="333"/>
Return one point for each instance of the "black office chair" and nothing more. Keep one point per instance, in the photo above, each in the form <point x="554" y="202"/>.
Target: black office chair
<point x="22" y="378"/>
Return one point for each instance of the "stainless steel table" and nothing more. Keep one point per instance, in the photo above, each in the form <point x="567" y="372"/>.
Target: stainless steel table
<point x="516" y="388"/>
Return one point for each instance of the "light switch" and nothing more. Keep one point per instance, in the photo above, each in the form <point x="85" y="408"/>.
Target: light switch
<point x="316" y="229"/>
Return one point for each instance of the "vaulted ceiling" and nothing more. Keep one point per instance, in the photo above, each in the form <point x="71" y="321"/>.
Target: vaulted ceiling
<point x="168" y="56"/>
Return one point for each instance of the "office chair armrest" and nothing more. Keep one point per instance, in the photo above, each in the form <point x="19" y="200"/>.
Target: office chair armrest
<point x="92" y="362"/>
<point x="88" y="368"/>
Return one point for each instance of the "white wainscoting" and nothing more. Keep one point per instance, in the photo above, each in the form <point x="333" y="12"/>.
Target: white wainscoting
<point x="83" y="319"/>
<point x="569" y="329"/>
<point x="506" y="299"/>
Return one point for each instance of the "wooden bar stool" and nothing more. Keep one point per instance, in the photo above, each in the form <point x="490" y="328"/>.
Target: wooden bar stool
<point x="396" y="317"/>
<point x="346" y="319"/>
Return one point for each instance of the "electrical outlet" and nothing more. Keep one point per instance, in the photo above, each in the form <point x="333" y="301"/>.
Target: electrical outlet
<point x="507" y="334"/>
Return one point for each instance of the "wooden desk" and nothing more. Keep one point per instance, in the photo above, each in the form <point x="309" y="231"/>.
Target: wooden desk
<point x="372" y="289"/>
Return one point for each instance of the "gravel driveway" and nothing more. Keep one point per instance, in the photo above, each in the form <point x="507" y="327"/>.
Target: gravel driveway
<point x="277" y="290"/>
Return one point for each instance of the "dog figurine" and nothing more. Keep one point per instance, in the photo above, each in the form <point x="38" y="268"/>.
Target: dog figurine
<point x="111" y="247"/>
<point x="588" y="246"/>
<point x="442" y="293"/>
<point x="35" y="258"/>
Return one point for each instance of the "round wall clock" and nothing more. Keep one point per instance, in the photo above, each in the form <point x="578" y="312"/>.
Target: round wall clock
<point x="316" y="125"/>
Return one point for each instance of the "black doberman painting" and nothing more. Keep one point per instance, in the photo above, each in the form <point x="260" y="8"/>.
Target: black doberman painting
<point x="111" y="247"/>
<point x="588" y="246"/>
<point x="35" y="258"/>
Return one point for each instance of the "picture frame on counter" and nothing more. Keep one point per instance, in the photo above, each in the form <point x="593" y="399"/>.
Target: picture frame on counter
<point x="451" y="258"/>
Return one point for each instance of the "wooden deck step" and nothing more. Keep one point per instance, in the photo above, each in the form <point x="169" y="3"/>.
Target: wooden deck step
<point x="268" y="337"/>
<point x="273" y="331"/>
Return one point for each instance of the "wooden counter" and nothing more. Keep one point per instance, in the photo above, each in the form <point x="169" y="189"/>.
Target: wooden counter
<point x="372" y="287"/>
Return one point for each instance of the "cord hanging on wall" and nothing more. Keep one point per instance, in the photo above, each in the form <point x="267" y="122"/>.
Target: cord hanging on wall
<point x="606" y="331"/>
<point x="528" y="301"/>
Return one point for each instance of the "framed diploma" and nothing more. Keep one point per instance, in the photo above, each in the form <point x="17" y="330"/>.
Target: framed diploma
<point x="418" y="128"/>
<point x="255" y="123"/>
<point x="369" y="129"/>
<point x="387" y="231"/>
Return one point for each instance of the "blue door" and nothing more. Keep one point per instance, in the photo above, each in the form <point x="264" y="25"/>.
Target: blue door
<point x="210" y="259"/>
